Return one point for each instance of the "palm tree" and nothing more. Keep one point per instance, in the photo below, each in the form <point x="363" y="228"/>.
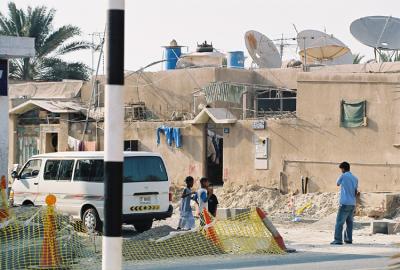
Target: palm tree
<point x="357" y="58"/>
<point x="388" y="56"/>
<point x="50" y="44"/>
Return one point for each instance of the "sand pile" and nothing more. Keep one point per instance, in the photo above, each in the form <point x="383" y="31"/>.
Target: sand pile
<point x="320" y="204"/>
<point x="274" y="203"/>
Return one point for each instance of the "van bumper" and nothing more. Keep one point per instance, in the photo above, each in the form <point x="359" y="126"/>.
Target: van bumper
<point x="130" y="218"/>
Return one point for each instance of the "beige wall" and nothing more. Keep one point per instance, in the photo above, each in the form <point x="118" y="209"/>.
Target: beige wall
<point x="181" y="162"/>
<point x="313" y="144"/>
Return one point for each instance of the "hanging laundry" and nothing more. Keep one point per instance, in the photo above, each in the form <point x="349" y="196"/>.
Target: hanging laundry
<point x="211" y="153"/>
<point x="89" y="145"/>
<point x="81" y="146"/>
<point x="176" y="134"/>
<point x="73" y="143"/>
<point x="171" y="135"/>
<point x="167" y="131"/>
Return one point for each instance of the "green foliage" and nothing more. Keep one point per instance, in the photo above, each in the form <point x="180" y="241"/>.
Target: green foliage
<point x="357" y="58"/>
<point x="388" y="56"/>
<point x="50" y="44"/>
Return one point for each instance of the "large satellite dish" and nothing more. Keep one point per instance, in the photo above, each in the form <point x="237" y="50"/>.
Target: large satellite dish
<point x="379" y="32"/>
<point x="319" y="46"/>
<point x="345" y="59"/>
<point x="262" y="50"/>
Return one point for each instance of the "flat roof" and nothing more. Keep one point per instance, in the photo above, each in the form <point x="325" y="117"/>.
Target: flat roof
<point x="92" y="154"/>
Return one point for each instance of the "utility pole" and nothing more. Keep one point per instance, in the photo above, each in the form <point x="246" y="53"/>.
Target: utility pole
<point x="10" y="47"/>
<point x="113" y="136"/>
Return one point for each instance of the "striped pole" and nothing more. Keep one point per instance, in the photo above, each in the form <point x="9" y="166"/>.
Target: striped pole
<point x="113" y="136"/>
<point x="275" y="234"/>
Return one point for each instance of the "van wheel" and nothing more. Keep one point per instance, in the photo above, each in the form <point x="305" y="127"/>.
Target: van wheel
<point x="143" y="225"/>
<point x="91" y="220"/>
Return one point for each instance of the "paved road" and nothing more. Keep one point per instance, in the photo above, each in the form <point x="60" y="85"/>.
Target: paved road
<point x="297" y="261"/>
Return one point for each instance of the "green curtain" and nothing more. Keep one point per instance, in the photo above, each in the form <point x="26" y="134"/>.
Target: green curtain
<point x="353" y="114"/>
<point x="222" y="91"/>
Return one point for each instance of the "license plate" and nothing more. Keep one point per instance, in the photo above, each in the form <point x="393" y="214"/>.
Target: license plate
<point x="145" y="200"/>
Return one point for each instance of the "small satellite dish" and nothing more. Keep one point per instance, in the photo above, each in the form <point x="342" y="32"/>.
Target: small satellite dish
<point x="262" y="50"/>
<point x="379" y="32"/>
<point x="319" y="46"/>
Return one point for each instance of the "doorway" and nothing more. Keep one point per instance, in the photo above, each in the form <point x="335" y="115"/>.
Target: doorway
<point x="214" y="154"/>
<point x="51" y="143"/>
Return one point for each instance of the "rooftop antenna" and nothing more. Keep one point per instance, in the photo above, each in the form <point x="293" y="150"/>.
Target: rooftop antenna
<point x="382" y="33"/>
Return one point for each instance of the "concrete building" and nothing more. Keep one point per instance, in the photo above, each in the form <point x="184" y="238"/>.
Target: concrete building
<point x="285" y="125"/>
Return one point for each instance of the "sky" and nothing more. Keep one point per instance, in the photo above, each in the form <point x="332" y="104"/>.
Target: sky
<point x="151" y="24"/>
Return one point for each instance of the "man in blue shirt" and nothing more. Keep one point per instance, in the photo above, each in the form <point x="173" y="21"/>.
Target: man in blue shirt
<point x="348" y="184"/>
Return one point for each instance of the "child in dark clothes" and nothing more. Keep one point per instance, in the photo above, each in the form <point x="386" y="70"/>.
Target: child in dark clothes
<point x="212" y="201"/>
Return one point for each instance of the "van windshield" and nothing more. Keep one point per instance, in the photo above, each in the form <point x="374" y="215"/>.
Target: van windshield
<point x="144" y="169"/>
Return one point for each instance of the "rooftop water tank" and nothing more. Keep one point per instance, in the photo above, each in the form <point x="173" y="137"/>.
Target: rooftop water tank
<point x="235" y="59"/>
<point x="172" y="54"/>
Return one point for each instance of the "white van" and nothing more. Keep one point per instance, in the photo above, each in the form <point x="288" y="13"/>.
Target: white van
<point x="76" y="179"/>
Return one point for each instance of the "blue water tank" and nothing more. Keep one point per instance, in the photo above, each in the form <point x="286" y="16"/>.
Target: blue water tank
<point x="172" y="54"/>
<point x="235" y="59"/>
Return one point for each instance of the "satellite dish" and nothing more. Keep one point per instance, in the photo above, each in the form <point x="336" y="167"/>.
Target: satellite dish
<point x="319" y="46"/>
<point x="345" y="59"/>
<point x="262" y="50"/>
<point x="379" y="32"/>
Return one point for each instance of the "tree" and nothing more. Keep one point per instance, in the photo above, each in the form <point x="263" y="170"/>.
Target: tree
<point x="50" y="44"/>
<point x="357" y="58"/>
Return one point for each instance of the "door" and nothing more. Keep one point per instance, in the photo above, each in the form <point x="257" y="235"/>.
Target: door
<point x="56" y="180"/>
<point x="25" y="187"/>
<point x="214" y="154"/>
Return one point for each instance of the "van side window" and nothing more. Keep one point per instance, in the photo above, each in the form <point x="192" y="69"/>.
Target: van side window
<point x="31" y="169"/>
<point x="89" y="170"/>
<point x="51" y="169"/>
<point x="65" y="171"/>
<point x="58" y="170"/>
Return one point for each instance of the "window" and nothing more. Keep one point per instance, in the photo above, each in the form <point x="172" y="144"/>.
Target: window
<point x="31" y="169"/>
<point x="131" y="145"/>
<point x="353" y="114"/>
<point x="65" y="170"/>
<point x="144" y="169"/>
<point x="89" y="170"/>
<point x="51" y="169"/>
<point x="58" y="170"/>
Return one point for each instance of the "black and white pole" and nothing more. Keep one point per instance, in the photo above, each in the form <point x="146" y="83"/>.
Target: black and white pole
<point x="113" y="136"/>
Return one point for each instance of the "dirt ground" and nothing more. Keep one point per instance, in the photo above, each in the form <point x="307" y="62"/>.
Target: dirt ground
<point x="314" y="231"/>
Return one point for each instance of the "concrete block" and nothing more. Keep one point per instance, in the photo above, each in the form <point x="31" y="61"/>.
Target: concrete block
<point x="379" y="227"/>
<point x="380" y="204"/>
<point x="393" y="228"/>
<point x="225" y="213"/>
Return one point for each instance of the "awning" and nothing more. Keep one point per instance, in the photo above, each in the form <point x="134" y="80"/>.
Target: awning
<point x="51" y="106"/>
<point x="217" y="115"/>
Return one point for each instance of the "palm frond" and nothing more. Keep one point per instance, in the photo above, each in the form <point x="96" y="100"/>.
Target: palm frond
<point x="37" y="22"/>
<point x="55" y="69"/>
<point x="74" y="46"/>
<point x="357" y="58"/>
<point x="56" y="39"/>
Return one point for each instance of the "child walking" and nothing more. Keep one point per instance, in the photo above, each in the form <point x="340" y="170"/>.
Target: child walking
<point x="186" y="221"/>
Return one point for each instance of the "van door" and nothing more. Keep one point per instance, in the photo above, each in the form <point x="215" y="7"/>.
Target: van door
<point x="26" y="186"/>
<point x="57" y="178"/>
<point x="146" y="185"/>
